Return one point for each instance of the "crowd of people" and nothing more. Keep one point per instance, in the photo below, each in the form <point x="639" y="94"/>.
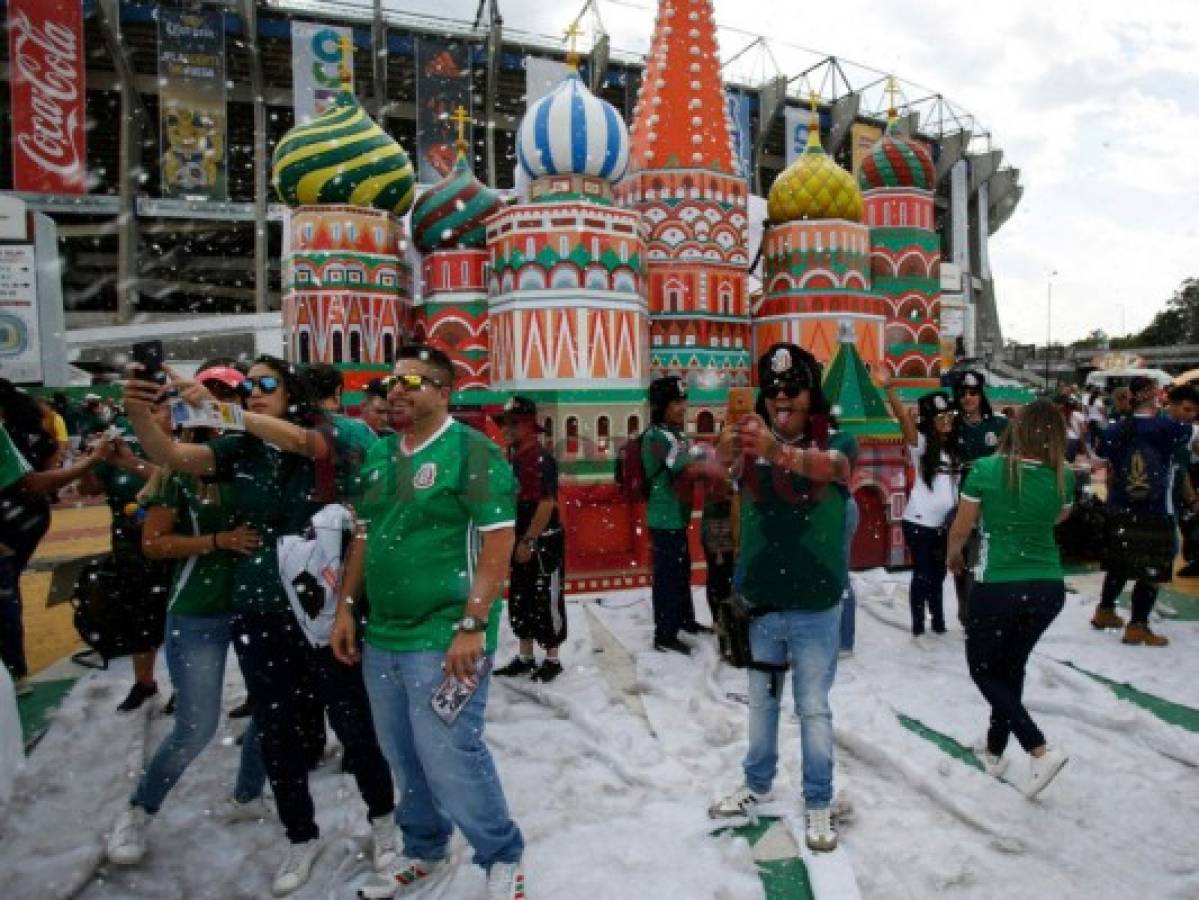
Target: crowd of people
<point x="441" y="524"/>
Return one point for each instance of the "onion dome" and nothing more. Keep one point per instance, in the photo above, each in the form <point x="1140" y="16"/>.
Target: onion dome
<point x="570" y="131"/>
<point x="343" y="156"/>
<point x="814" y="187"/>
<point x="896" y="161"/>
<point x="451" y="213"/>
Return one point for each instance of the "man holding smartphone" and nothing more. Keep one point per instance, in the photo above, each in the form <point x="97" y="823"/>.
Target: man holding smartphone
<point x="438" y="510"/>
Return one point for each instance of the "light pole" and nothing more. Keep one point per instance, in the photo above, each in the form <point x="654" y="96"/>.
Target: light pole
<point x="1049" y="324"/>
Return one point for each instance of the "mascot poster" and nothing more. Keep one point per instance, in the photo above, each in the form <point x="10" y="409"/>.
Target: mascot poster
<point x="442" y="85"/>
<point x="191" y="75"/>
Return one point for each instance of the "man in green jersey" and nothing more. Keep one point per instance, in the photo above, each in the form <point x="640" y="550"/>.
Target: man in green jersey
<point x="977" y="430"/>
<point x="438" y="512"/>
<point x="666" y="456"/>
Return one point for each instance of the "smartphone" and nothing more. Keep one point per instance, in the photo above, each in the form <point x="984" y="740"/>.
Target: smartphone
<point x="449" y="699"/>
<point x="148" y="354"/>
<point x="741" y="403"/>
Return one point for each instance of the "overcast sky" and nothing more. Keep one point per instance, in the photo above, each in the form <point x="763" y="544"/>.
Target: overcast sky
<point x="1096" y="102"/>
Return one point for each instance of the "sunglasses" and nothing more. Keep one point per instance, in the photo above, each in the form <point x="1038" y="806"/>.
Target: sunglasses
<point x="268" y="384"/>
<point x="410" y="382"/>
<point x="791" y="388"/>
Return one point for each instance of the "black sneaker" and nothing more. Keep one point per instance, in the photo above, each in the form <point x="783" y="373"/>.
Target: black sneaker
<point x="672" y="645"/>
<point x="138" y="694"/>
<point x="241" y="711"/>
<point x="517" y="667"/>
<point x="169" y="709"/>
<point x="696" y="628"/>
<point x="547" y="671"/>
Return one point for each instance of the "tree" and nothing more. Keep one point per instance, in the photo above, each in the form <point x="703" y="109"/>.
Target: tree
<point x="1096" y="340"/>
<point x="1178" y="323"/>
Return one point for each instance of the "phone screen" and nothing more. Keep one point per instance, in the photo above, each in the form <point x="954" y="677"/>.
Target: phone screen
<point x="148" y="354"/>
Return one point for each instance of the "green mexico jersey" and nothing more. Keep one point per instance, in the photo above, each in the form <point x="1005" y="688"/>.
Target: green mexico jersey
<point x="1017" y="526"/>
<point x="424" y="511"/>
<point x="793" y="553"/>
<point x="274" y="492"/>
<point x="980" y="439"/>
<point x="202" y="585"/>
<point x="665" y="454"/>
<point x="13" y="466"/>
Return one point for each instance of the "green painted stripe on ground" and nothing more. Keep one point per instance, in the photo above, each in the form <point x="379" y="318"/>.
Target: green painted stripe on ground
<point x="783" y="879"/>
<point x="35" y="709"/>
<point x="1166" y="710"/>
<point x="958" y="751"/>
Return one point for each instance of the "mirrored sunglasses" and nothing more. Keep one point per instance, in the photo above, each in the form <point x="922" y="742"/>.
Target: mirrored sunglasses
<point x="268" y="384"/>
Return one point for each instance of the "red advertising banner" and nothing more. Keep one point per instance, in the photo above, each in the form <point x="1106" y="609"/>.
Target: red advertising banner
<point x="45" y="51"/>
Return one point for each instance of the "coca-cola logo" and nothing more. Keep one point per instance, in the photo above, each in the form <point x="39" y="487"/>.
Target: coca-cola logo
<point x="47" y="63"/>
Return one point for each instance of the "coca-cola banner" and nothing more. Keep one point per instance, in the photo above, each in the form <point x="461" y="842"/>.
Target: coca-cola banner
<point x="45" y="51"/>
<point x="191" y="103"/>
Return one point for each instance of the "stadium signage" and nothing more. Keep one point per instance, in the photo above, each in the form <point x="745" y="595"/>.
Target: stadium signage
<point x="49" y="139"/>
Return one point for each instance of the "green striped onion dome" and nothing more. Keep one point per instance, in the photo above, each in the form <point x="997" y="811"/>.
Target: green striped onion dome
<point x="343" y="156"/>
<point x="451" y="213"/>
<point x="897" y="162"/>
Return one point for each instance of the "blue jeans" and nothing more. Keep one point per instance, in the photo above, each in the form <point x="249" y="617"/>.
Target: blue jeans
<point x="444" y="774"/>
<point x="849" y="602"/>
<point x="808" y="642"/>
<point x="196" y="649"/>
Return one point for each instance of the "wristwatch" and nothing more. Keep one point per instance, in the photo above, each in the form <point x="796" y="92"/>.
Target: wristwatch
<point x="470" y="624"/>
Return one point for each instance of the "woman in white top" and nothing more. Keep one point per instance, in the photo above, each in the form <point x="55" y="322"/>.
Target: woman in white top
<point x="931" y="503"/>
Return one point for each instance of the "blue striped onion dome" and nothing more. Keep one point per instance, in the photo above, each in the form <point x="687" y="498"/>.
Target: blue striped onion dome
<point x="570" y="131"/>
<point x="343" y="156"/>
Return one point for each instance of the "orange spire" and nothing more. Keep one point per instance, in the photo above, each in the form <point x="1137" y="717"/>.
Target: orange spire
<point x="681" y="119"/>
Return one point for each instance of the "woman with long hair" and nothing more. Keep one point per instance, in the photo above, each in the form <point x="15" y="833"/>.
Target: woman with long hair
<point x="794" y="470"/>
<point x="190" y="520"/>
<point x="930" y="505"/>
<point x="1019" y="494"/>
<point x="281" y="470"/>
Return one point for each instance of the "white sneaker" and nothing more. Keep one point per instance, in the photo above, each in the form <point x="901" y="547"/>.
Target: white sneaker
<point x="506" y="881"/>
<point x="405" y="876"/>
<point x="740" y="803"/>
<point x="818" y="830"/>
<point x="1043" y="769"/>
<point x="993" y="765"/>
<point x="127" y="843"/>
<point x="233" y="810"/>
<point x="296" y="866"/>
<point x="22" y="687"/>
<point x="384" y="851"/>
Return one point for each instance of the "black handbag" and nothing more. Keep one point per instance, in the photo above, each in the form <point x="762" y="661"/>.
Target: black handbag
<point x="120" y="606"/>
<point x="732" y="630"/>
<point x="1140" y="546"/>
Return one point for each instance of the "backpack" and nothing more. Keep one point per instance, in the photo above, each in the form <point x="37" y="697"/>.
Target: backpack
<point x="120" y="607"/>
<point x="630" y="471"/>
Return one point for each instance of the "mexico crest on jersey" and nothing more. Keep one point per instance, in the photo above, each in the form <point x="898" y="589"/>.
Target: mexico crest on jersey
<point x="425" y="476"/>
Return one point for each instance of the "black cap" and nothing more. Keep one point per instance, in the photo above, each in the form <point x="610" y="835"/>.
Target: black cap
<point x="970" y="378"/>
<point x="518" y="408"/>
<point x="666" y="389"/>
<point x="788" y="363"/>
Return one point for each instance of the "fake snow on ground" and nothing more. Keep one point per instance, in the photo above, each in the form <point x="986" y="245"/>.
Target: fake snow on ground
<point x="609" y="771"/>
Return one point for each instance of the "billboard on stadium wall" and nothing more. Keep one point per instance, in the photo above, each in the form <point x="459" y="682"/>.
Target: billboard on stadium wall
<point x="798" y="122"/>
<point x="737" y="104"/>
<point x="47" y="82"/>
<point x="316" y="57"/>
<point x="863" y="137"/>
<point x="443" y="80"/>
<point x="191" y="103"/>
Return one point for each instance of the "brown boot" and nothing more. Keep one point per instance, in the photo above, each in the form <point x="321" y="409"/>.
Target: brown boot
<point x="1137" y="633"/>
<point x="1106" y="618"/>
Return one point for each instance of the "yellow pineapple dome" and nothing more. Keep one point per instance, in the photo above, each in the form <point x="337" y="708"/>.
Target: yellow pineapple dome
<point x="814" y="187"/>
